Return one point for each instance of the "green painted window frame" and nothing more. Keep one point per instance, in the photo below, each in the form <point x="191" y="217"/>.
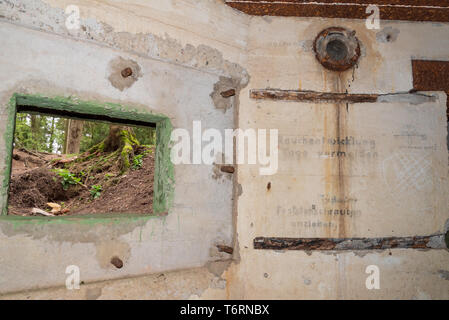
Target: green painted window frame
<point x="163" y="185"/>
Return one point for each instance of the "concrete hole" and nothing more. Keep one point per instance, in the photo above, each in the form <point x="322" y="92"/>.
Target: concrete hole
<point x="117" y="262"/>
<point x="337" y="49"/>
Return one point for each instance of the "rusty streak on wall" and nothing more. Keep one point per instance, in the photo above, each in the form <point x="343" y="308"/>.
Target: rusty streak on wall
<point x="417" y="242"/>
<point x="423" y="10"/>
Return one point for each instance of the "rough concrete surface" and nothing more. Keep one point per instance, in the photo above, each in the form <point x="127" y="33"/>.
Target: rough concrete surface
<point x="346" y="170"/>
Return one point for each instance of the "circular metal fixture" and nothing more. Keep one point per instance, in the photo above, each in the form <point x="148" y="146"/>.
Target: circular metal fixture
<point x="337" y="48"/>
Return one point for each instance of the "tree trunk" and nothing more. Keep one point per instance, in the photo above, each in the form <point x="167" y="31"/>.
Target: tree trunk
<point x="121" y="139"/>
<point x="73" y="137"/>
<point x="52" y="135"/>
<point x="121" y="144"/>
<point x="35" y="131"/>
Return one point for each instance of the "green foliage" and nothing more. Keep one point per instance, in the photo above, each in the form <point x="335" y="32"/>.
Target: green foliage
<point x="95" y="191"/>
<point x="45" y="133"/>
<point x="34" y="132"/>
<point x="145" y="135"/>
<point x="137" y="162"/>
<point x="68" y="178"/>
<point x="108" y="176"/>
<point x="93" y="134"/>
<point x="138" y="159"/>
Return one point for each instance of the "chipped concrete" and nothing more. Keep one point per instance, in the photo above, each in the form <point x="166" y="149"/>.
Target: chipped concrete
<point x="79" y="64"/>
<point x="388" y="34"/>
<point x="93" y="293"/>
<point x="223" y="85"/>
<point x="444" y="274"/>
<point x="217" y="267"/>
<point x="40" y="15"/>
<point x="186" y="284"/>
<point x="188" y="54"/>
<point x="123" y="73"/>
<point x="112" y="254"/>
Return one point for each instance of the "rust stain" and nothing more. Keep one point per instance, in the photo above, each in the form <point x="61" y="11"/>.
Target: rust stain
<point x="312" y="96"/>
<point x="340" y="183"/>
<point x="226" y="249"/>
<point x="431" y="75"/>
<point x="327" y="172"/>
<point x="424" y="10"/>
<point x="340" y="190"/>
<point x="126" y="72"/>
<point x="228" y="93"/>
<point x="227" y="169"/>
<point x="269" y="186"/>
<point x="416" y="242"/>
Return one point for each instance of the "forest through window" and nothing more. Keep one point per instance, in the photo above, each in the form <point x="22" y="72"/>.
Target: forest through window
<point x="69" y="166"/>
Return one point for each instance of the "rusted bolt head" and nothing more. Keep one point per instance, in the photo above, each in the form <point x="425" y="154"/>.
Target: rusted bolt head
<point x="337" y="48"/>
<point x="117" y="262"/>
<point x="127" y="72"/>
<point x="228" y="93"/>
<point x="227" y="169"/>
<point x="227" y="249"/>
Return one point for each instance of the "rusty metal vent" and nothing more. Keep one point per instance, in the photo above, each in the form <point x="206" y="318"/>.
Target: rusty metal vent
<point x="337" y="48"/>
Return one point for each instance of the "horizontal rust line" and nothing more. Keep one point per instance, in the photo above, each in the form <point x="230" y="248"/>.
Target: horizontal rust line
<point x="323" y="244"/>
<point x="413" y="97"/>
<point x="380" y="3"/>
<point x="312" y="96"/>
<point x="347" y="11"/>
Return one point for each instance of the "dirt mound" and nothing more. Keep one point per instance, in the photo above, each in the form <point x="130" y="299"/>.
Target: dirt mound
<point x="34" y="188"/>
<point x="132" y="193"/>
<point x="34" y="183"/>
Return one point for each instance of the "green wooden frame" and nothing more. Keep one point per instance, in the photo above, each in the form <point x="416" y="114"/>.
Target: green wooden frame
<point x="164" y="171"/>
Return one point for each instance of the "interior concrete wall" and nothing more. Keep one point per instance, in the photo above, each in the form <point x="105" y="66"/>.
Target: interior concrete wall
<point x="400" y="189"/>
<point x="184" y="48"/>
<point x="178" y="77"/>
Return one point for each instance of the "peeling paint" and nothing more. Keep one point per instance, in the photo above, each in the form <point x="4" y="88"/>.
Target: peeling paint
<point x="388" y="34"/>
<point x="444" y="274"/>
<point x="223" y="85"/>
<point x="39" y="15"/>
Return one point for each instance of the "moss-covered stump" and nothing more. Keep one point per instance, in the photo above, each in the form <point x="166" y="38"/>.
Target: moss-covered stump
<point x="120" y="146"/>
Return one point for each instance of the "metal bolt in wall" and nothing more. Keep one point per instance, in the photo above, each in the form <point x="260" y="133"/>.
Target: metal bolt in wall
<point x="127" y="72"/>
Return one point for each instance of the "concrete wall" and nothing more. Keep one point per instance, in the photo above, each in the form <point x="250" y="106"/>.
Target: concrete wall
<point x="394" y="184"/>
<point x="184" y="49"/>
<point x="40" y="56"/>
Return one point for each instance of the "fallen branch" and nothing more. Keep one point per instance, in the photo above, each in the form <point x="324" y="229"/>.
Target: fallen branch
<point x="32" y="153"/>
<point x="42" y="212"/>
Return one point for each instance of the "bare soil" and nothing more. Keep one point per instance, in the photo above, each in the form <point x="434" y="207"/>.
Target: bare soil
<point x="34" y="183"/>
